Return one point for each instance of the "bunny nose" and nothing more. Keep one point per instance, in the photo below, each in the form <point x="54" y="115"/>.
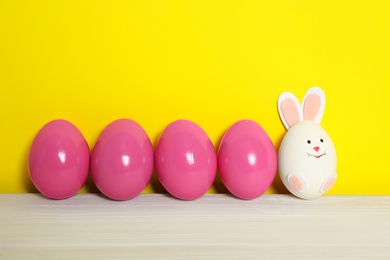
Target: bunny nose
<point x="316" y="148"/>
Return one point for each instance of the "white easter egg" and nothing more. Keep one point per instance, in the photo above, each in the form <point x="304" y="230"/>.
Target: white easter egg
<point x="307" y="160"/>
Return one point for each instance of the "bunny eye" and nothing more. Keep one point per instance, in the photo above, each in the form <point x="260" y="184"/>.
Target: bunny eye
<point x="308" y="141"/>
<point x="321" y="140"/>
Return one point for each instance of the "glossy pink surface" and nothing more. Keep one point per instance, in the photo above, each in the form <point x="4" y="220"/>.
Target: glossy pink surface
<point x="185" y="160"/>
<point x="58" y="160"/>
<point x="122" y="160"/>
<point x="247" y="160"/>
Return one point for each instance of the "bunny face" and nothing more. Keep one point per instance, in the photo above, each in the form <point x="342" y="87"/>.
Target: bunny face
<point x="307" y="157"/>
<point x="307" y="143"/>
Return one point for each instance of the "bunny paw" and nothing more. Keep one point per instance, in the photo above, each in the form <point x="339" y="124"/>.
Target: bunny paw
<point x="328" y="183"/>
<point x="297" y="182"/>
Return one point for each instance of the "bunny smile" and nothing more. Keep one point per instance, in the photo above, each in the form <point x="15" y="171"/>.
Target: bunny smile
<point x="316" y="156"/>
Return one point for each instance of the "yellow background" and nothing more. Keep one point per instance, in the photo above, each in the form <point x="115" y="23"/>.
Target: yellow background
<point x="213" y="62"/>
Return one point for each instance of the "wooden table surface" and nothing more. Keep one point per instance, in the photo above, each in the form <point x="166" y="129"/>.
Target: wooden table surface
<point x="216" y="226"/>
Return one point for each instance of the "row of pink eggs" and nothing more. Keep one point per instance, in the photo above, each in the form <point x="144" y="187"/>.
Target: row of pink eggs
<point x="123" y="160"/>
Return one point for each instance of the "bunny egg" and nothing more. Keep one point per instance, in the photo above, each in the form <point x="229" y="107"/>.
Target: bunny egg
<point x="307" y="151"/>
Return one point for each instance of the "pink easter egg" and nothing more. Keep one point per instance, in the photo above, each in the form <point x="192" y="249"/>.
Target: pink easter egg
<point x="247" y="160"/>
<point x="122" y="160"/>
<point x="58" y="160"/>
<point x="185" y="160"/>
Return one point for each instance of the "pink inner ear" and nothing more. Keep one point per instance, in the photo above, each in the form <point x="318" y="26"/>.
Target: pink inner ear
<point x="290" y="111"/>
<point x="312" y="106"/>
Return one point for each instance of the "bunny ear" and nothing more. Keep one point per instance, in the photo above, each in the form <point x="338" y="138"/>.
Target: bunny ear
<point x="290" y="111"/>
<point x="314" y="104"/>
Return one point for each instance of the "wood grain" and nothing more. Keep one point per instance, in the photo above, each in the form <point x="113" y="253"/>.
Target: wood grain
<point x="217" y="226"/>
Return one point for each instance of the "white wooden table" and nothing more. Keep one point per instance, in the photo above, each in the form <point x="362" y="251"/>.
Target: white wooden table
<point x="157" y="226"/>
